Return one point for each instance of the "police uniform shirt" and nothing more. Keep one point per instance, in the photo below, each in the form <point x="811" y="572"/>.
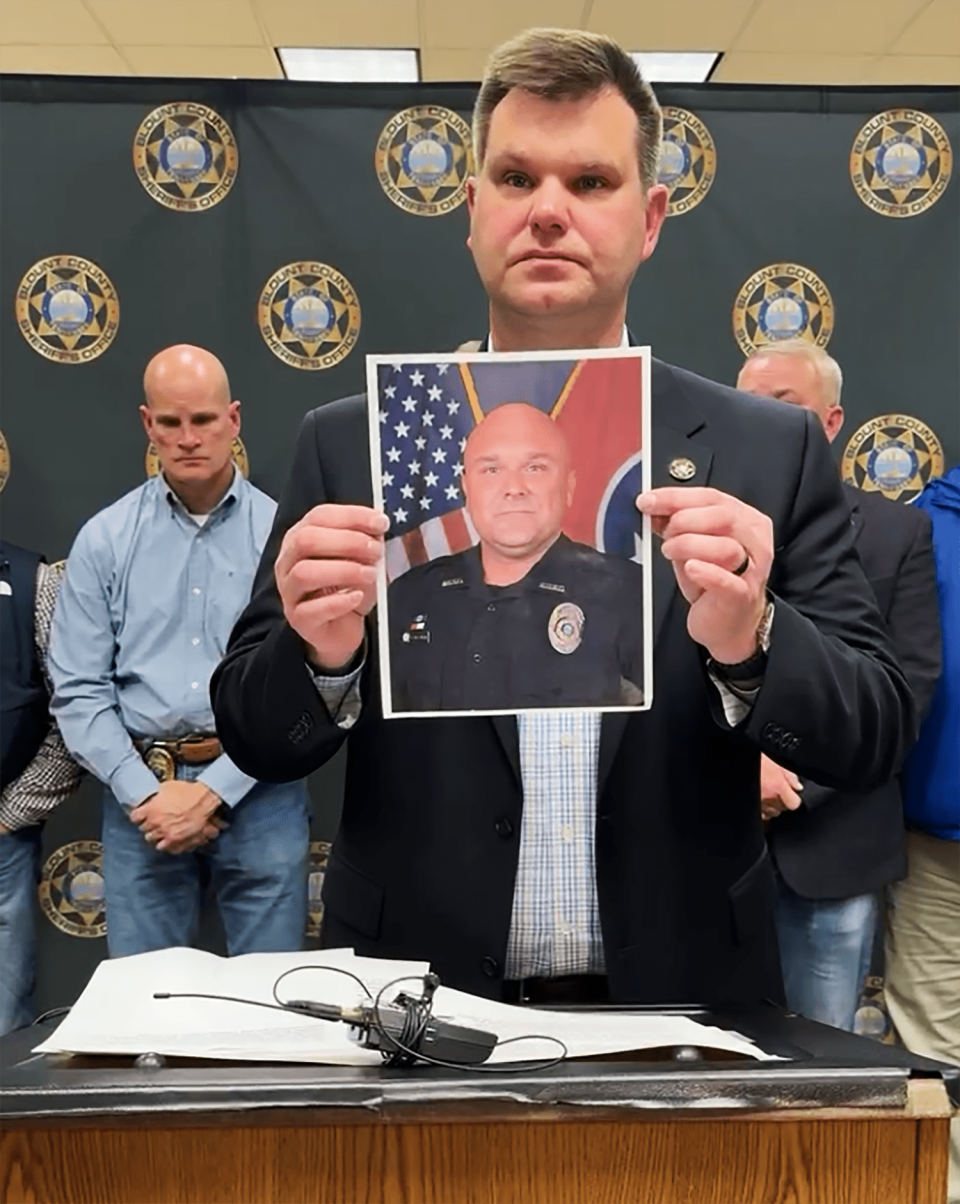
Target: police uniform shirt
<point x="568" y="634"/>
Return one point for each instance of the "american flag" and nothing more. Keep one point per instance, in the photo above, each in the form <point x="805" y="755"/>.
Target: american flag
<point x="425" y="417"/>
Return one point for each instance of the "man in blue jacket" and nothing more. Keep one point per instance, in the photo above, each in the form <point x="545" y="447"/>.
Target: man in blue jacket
<point x="923" y="933"/>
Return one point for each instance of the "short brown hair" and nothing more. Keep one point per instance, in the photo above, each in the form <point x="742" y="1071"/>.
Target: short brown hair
<point x="567" y="64"/>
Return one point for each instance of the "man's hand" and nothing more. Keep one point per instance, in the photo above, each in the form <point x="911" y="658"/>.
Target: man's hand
<point x="326" y="575"/>
<point x="4" y="830"/>
<point x="779" y="789"/>
<point x="178" y="818"/>
<point x="709" y="536"/>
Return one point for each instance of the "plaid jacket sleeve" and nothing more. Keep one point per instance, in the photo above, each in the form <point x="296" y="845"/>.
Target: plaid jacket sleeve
<point x="52" y="775"/>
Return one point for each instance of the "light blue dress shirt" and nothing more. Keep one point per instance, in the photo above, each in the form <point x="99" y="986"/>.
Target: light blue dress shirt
<point x="143" y="618"/>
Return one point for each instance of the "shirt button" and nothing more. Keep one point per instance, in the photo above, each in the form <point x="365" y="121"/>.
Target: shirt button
<point x="194" y="685"/>
<point x="195" y="641"/>
<point x="477" y="658"/>
<point x="567" y="741"/>
<point x="491" y="606"/>
<point x="196" y="589"/>
<point x="566" y="833"/>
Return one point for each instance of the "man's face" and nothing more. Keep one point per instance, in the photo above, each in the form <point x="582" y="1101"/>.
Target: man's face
<point x="791" y="378"/>
<point x="558" y="218"/>
<point x="192" y="424"/>
<point x="517" y="480"/>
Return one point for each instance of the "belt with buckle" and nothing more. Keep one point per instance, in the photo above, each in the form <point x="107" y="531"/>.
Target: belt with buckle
<point x="163" y="756"/>
<point x="568" y="989"/>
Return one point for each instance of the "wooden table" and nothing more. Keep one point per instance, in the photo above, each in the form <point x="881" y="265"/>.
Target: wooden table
<point x="486" y="1151"/>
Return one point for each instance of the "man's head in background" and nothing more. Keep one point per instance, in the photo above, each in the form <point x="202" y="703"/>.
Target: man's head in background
<point x="565" y="205"/>
<point x="518" y="484"/>
<point x="798" y="372"/>
<point x="190" y="419"/>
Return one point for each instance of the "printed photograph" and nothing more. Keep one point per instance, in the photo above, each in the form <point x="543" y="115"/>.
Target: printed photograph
<point x="514" y="577"/>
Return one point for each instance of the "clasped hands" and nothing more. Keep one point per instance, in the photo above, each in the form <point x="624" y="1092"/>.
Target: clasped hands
<point x="179" y="817"/>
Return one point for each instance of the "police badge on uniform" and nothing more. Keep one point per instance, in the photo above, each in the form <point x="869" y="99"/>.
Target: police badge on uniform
<point x="309" y="315"/>
<point x="901" y="162"/>
<point x="71" y="889"/>
<point x="688" y="160"/>
<point x="893" y="454"/>
<point x="565" y="628"/>
<point x="185" y="156"/>
<point x="319" y="856"/>
<point x="237" y="451"/>
<point x="4" y="462"/>
<point x="67" y="309"/>
<point x="424" y="157"/>
<point x="782" y="301"/>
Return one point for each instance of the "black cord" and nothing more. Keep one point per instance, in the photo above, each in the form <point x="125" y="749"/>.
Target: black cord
<point x="417" y="1017"/>
<point x="328" y="969"/>
<point x="48" y="1015"/>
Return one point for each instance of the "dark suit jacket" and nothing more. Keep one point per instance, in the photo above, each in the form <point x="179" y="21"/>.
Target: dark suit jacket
<point x="425" y="860"/>
<point x="854" y="845"/>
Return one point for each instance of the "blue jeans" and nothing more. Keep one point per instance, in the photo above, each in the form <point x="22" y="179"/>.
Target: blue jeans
<point x="19" y="875"/>
<point x="257" y="867"/>
<point x="825" y="948"/>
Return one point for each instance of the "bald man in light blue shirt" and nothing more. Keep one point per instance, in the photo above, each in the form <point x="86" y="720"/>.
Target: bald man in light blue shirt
<point x="154" y="584"/>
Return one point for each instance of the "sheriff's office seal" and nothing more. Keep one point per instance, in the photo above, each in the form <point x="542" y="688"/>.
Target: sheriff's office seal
<point x="782" y="301"/>
<point x="894" y="454"/>
<point x="688" y="160"/>
<point x="565" y="628"/>
<point x="237" y="451"/>
<point x="67" y="309"/>
<point x="4" y="462"/>
<point x="309" y="315"/>
<point x="319" y="855"/>
<point x="71" y="889"/>
<point x="185" y="156"/>
<point x="901" y="162"/>
<point x="423" y="159"/>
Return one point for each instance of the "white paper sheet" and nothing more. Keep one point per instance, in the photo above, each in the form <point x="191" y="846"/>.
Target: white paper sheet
<point x="117" y="1013"/>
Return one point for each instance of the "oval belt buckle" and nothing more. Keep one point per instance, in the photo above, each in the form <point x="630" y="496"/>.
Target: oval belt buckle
<point x="160" y="762"/>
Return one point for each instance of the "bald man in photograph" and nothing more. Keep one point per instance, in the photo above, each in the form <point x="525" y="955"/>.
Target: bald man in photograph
<point x="153" y="585"/>
<point x="528" y="617"/>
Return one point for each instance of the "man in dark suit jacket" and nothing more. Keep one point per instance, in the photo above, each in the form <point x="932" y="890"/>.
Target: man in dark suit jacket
<point x="554" y="856"/>
<point x="835" y="849"/>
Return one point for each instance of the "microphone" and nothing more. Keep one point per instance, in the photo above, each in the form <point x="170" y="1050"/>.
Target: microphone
<point x="407" y="1030"/>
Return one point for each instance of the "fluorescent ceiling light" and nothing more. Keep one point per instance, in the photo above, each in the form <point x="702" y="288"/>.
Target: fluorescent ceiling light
<point x="683" y="67"/>
<point x="350" y="66"/>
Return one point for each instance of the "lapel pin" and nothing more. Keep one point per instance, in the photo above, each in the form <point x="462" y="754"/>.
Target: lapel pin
<point x="682" y="469"/>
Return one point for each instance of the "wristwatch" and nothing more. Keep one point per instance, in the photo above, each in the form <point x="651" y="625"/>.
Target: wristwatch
<point x="751" y="669"/>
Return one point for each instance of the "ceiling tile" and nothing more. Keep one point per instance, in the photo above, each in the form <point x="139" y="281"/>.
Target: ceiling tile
<point x="936" y="29"/>
<point x="681" y="25"/>
<point x="443" y="65"/>
<point x="357" y="23"/>
<point x="49" y="23"/>
<point x="914" y="69"/>
<point x="62" y="60"/>
<point x="825" y="26"/>
<point x="167" y="22"/>
<point x="739" y="68"/>
<point x="461" y="26"/>
<point x="205" y="62"/>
